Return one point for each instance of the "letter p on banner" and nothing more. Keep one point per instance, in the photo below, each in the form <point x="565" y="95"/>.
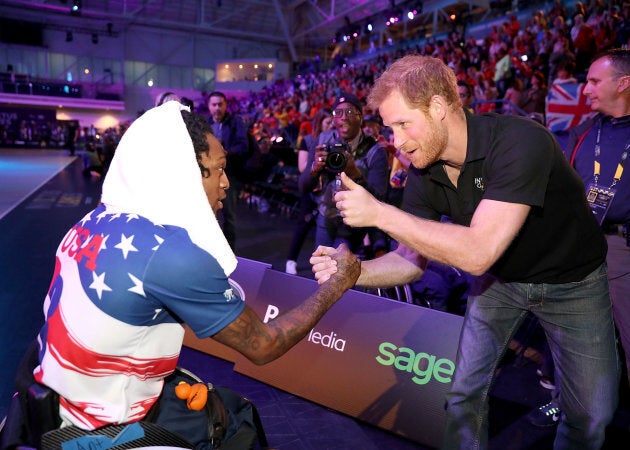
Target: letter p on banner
<point x="271" y="313"/>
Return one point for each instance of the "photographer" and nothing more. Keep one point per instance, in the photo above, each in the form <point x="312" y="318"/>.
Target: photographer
<point x="347" y="149"/>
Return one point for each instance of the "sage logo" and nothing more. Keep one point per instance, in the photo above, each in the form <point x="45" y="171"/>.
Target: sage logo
<point x="421" y="365"/>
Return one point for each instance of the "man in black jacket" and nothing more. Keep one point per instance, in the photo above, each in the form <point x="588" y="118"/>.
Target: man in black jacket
<point x="232" y="133"/>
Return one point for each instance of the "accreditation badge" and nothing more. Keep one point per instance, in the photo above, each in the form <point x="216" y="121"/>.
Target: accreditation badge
<point x="599" y="199"/>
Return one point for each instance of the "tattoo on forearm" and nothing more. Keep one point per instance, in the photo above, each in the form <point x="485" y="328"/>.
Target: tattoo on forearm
<point x="265" y="342"/>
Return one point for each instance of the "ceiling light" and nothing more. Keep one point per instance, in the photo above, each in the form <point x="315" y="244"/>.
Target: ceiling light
<point x="75" y="9"/>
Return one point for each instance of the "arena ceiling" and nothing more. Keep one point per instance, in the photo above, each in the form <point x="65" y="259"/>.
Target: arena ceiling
<point x="301" y="25"/>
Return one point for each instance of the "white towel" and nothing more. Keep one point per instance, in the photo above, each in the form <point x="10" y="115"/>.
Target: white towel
<point x="155" y="174"/>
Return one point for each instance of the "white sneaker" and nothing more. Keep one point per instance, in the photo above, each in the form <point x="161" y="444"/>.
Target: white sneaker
<point x="291" y="267"/>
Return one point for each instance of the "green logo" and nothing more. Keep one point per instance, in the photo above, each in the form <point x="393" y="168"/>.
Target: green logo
<point x="422" y="365"/>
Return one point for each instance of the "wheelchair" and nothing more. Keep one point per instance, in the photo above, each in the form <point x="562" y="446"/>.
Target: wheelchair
<point x="32" y="422"/>
<point x="399" y="293"/>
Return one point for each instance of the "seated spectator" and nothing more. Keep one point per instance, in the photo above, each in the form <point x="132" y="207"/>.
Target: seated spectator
<point x="561" y="54"/>
<point x="564" y="73"/>
<point x="466" y="93"/>
<point x="373" y="126"/>
<point x="513" y="97"/>
<point x="443" y="288"/>
<point x="489" y="93"/>
<point x="583" y="38"/>
<point x="93" y="162"/>
<point x="534" y="98"/>
<point x="606" y="32"/>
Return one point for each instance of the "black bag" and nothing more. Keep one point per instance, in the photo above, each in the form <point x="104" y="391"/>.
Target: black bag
<point x="228" y="421"/>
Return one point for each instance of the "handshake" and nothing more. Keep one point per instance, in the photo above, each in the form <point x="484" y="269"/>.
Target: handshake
<point x="336" y="263"/>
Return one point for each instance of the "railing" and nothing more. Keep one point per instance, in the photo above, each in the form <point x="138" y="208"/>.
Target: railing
<point x="502" y="106"/>
<point x="24" y="84"/>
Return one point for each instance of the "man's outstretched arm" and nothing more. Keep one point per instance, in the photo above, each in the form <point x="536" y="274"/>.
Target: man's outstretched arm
<point x="262" y="343"/>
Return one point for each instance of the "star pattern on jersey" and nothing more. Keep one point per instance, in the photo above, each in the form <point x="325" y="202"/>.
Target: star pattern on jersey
<point x="85" y="219"/>
<point x="126" y="245"/>
<point x="104" y="242"/>
<point x="98" y="284"/>
<point x="122" y="272"/>
<point x="137" y="285"/>
<point x="159" y="241"/>
<point x="101" y="216"/>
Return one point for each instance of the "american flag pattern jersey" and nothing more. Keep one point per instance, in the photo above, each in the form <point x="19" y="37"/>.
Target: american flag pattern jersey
<point x="121" y="289"/>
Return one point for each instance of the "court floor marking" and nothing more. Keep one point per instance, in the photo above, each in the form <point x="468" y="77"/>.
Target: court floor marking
<point x="22" y="172"/>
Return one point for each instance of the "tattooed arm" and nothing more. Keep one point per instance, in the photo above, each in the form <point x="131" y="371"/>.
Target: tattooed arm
<point x="262" y="343"/>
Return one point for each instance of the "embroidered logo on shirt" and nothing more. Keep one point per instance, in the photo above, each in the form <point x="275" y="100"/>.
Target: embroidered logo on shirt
<point x="235" y="292"/>
<point x="479" y="184"/>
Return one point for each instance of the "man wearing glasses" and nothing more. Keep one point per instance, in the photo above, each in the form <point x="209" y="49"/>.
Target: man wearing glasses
<point x="346" y="149"/>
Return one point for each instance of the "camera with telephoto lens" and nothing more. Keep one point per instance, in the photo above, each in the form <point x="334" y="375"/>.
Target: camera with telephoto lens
<point x="336" y="158"/>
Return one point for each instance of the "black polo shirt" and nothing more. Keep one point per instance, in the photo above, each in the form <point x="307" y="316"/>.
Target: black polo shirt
<point x="516" y="160"/>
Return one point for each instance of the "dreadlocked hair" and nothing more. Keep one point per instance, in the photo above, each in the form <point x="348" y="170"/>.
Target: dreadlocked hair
<point x="198" y="128"/>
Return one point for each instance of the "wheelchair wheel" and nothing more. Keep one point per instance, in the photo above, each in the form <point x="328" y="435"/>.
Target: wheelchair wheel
<point x="398" y="293"/>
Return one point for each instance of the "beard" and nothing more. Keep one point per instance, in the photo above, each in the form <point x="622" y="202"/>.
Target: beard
<point x="429" y="151"/>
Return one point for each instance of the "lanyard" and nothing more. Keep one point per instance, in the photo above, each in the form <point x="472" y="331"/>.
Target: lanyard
<point x="596" y="164"/>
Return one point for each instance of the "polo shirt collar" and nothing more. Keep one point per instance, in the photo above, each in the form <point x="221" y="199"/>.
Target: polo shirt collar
<point x="624" y="120"/>
<point x="476" y="147"/>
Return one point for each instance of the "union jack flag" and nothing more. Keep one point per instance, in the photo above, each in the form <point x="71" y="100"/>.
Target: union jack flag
<point x="567" y="106"/>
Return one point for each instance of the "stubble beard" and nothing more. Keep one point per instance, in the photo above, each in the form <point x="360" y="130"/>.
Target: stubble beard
<point x="430" y="151"/>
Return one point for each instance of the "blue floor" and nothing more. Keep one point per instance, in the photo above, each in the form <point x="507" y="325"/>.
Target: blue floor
<point x="25" y="171"/>
<point x="31" y="231"/>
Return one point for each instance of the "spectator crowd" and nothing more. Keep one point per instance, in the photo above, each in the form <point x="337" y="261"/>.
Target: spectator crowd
<point x="509" y="70"/>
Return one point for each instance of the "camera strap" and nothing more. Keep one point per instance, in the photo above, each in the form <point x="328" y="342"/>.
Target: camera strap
<point x="364" y="146"/>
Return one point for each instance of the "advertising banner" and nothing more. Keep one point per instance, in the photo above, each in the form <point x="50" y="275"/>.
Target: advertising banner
<point x="385" y="362"/>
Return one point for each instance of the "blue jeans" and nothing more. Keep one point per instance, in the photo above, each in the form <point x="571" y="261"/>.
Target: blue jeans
<point x="618" y="260"/>
<point x="577" y="320"/>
